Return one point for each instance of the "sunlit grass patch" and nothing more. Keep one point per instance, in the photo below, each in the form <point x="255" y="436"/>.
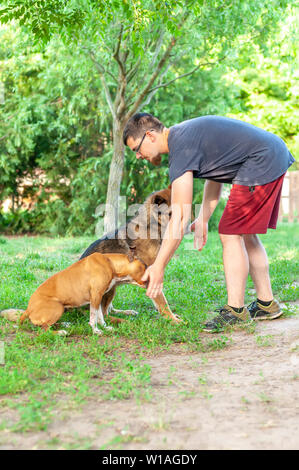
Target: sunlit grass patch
<point x="41" y="366"/>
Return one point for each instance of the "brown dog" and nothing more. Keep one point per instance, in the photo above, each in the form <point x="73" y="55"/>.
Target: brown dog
<point x="84" y="282"/>
<point x="141" y="237"/>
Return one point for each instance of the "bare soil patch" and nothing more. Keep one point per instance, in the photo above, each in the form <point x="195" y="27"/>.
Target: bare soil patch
<point x="245" y="396"/>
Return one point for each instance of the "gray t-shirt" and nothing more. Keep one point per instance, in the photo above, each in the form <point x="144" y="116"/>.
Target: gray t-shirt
<point x="227" y="151"/>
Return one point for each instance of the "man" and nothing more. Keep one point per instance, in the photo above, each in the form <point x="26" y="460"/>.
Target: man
<point x="220" y="150"/>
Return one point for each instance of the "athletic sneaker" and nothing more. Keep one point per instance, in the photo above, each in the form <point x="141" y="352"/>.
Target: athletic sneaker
<point x="227" y="317"/>
<point x="261" y="312"/>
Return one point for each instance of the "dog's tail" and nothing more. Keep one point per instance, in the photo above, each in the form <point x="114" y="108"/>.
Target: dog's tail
<point x="24" y="316"/>
<point x="13" y="314"/>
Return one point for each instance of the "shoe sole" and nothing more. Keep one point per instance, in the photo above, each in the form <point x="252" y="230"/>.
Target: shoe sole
<point x="221" y="329"/>
<point x="212" y="331"/>
<point x="268" y="317"/>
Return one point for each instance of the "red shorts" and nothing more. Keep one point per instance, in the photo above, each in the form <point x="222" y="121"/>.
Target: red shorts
<point x="251" y="209"/>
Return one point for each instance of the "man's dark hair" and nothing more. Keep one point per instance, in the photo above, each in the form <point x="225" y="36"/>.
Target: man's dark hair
<point x="138" y="124"/>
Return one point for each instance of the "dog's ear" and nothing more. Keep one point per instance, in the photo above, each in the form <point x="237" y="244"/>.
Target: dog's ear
<point x="158" y="199"/>
<point x="169" y="187"/>
<point x="132" y="254"/>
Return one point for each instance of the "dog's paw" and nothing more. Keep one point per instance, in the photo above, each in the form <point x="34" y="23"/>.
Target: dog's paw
<point x="130" y="312"/>
<point x="126" y="312"/>
<point x="61" y="333"/>
<point x="177" y="319"/>
<point x="109" y="328"/>
<point x="96" y="331"/>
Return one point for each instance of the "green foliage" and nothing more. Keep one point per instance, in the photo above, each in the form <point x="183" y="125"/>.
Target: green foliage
<point x="267" y="92"/>
<point x="18" y="221"/>
<point x="56" y="138"/>
<point x="56" y="15"/>
<point x="52" y="148"/>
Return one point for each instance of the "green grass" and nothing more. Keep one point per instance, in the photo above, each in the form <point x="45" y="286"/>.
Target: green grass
<point x="40" y="368"/>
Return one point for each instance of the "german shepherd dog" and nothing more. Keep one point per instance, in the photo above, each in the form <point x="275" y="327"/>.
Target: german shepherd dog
<point x="140" y="238"/>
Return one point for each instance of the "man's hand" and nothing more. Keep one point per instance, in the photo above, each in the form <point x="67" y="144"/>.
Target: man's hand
<point x="211" y="196"/>
<point x="154" y="275"/>
<point x="181" y="200"/>
<point x="200" y="229"/>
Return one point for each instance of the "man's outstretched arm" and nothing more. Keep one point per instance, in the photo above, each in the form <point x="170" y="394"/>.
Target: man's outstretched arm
<point x="181" y="201"/>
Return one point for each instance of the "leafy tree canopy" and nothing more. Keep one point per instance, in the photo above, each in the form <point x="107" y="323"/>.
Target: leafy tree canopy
<point x="86" y="72"/>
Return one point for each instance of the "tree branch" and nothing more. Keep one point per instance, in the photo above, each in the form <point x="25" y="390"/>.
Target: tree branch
<point x="153" y="77"/>
<point x="152" y="92"/>
<point x="157" y="50"/>
<point x="103" y="80"/>
<point x="156" y="72"/>
<point x="98" y="65"/>
<point x="108" y="96"/>
<point x="119" y="104"/>
<point x="116" y="53"/>
<point x="163" y="85"/>
<point x="132" y="72"/>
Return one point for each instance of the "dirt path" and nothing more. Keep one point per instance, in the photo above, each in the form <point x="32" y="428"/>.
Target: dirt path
<point x="245" y="396"/>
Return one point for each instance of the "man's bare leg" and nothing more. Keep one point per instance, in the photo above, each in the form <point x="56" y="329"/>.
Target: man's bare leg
<point x="236" y="268"/>
<point x="265" y="307"/>
<point x="258" y="267"/>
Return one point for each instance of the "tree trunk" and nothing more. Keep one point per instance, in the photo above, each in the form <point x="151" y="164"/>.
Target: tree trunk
<point x="115" y="177"/>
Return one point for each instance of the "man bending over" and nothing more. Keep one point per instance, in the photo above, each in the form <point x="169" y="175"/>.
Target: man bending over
<point x="220" y="150"/>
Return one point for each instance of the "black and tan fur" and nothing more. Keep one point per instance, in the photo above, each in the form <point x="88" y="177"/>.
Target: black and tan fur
<point x="136" y="240"/>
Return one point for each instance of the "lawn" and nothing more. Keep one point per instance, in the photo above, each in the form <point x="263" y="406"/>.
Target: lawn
<point x="40" y="367"/>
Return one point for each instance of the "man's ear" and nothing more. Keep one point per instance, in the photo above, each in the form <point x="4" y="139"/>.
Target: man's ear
<point x="152" y="134"/>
